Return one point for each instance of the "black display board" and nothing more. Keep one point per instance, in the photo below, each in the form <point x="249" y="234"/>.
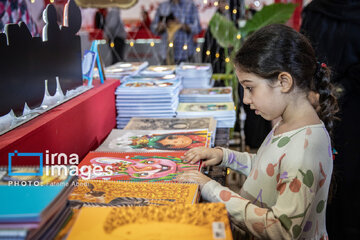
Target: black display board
<point x="26" y="61"/>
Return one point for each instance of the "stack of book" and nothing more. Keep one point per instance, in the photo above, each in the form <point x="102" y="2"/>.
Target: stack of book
<point x="176" y="222"/>
<point x="206" y="95"/>
<point x="224" y="113"/>
<point x="33" y="207"/>
<point x="122" y="69"/>
<point x="195" y="75"/>
<point x="174" y="124"/>
<point x="146" y="97"/>
<point x="154" y="141"/>
<point x="158" y="71"/>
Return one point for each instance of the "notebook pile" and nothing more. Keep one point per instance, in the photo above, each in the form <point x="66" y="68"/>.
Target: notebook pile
<point x="206" y="95"/>
<point x="147" y="97"/>
<point x="224" y="113"/>
<point x="195" y="75"/>
<point x="33" y="207"/>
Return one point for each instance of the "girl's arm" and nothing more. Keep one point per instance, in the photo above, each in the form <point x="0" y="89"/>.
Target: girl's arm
<point x="285" y="220"/>
<point x="239" y="161"/>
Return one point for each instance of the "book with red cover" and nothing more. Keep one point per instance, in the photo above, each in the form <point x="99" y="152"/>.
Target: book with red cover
<point x="135" y="166"/>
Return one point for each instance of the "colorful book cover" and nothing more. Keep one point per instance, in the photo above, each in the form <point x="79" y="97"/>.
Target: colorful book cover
<point x="154" y="140"/>
<point x="46" y="179"/>
<point x="206" y="91"/>
<point x="151" y="167"/>
<point x="156" y="69"/>
<point x="175" y="222"/>
<point x="205" y="107"/>
<point x="171" y="123"/>
<point x="116" y="194"/>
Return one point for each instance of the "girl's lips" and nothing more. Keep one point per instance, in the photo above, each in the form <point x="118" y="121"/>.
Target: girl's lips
<point x="257" y="112"/>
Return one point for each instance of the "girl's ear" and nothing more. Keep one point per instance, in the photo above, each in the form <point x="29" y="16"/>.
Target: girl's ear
<point x="286" y="81"/>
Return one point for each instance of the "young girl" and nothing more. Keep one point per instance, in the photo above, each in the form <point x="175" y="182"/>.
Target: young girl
<point x="286" y="190"/>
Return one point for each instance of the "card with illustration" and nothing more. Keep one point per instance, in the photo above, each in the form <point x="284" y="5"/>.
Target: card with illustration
<point x="205" y="107"/>
<point x="150" y="167"/>
<point x="207" y="91"/>
<point x="156" y="70"/>
<point x="171" y="123"/>
<point x="154" y="140"/>
<point x="176" y="222"/>
<point x="120" y="193"/>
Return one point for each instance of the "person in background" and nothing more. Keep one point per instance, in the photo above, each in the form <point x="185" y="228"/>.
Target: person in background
<point x="176" y="21"/>
<point x="212" y="52"/>
<point x="115" y="33"/>
<point x="286" y="189"/>
<point x="333" y="27"/>
<point x="15" y="11"/>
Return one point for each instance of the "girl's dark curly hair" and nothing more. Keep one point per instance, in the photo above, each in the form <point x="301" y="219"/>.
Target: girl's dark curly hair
<point x="278" y="48"/>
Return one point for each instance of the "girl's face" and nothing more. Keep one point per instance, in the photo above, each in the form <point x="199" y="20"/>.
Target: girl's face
<point x="262" y="96"/>
<point x="176" y="141"/>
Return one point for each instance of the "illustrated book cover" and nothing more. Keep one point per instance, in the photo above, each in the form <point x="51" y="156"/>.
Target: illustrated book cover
<point x="154" y="140"/>
<point x="145" y="166"/>
<point x="118" y="193"/>
<point x="176" y="222"/>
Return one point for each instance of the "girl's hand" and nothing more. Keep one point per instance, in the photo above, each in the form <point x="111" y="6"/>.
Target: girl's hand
<point x="193" y="176"/>
<point x="212" y="156"/>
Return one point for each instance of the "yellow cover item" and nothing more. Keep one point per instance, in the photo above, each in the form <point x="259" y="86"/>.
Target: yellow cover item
<point x="114" y="194"/>
<point x="175" y="222"/>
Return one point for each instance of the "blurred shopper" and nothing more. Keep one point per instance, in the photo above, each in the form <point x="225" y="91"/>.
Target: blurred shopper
<point x="176" y="21"/>
<point x="333" y="27"/>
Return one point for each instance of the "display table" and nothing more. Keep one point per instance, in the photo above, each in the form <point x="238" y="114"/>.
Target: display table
<point x="76" y="126"/>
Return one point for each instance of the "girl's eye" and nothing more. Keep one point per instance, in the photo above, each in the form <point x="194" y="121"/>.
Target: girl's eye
<point x="249" y="89"/>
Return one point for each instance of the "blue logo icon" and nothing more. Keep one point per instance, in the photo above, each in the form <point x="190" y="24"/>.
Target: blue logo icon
<point x="16" y="153"/>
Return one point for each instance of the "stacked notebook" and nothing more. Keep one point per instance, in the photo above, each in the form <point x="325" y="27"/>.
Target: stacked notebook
<point x="34" y="208"/>
<point x="154" y="141"/>
<point x="176" y="222"/>
<point x="195" y="75"/>
<point x="224" y="113"/>
<point x="147" y="97"/>
<point x="206" y="95"/>
<point x="122" y="69"/>
<point x="174" y="124"/>
<point x="158" y="71"/>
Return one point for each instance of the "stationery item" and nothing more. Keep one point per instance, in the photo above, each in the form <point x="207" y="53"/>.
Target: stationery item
<point x="158" y="71"/>
<point x="195" y="75"/>
<point x="145" y="166"/>
<point x="118" y="194"/>
<point x="206" y="95"/>
<point x="154" y="141"/>
<point x="122" y="69"/>
<point x="171" y="123"/>
<point x="176" y="222"/>
<point x="224" y="112"/>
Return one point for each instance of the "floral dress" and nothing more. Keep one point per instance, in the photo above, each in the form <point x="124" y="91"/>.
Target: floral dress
<point x="285" y="193"/>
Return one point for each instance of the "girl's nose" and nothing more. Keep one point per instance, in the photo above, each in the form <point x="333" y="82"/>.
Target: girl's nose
<point x="246" y="99"/>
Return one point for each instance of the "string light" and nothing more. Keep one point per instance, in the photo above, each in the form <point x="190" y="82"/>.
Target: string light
<point x="227" y="59"/>
<point x="112" y="44"/>
<point x="205" y="1"/>
<point x="238" y="36"/>
<point x="171" y="44"/>
<point x="208" y="52"/>
<point x="216" y="3"/>
<point x="131" y="44"/>
<point x="152" y="44"/>
<point x="185" y="47"/>
<point x="217" y="55"/>
<point x="234" y="11"/>
<point x="52" y="1"/>
<point x="227" y="7"/>
<point x="197" y="49"/>
<point x="32" y="1"/>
